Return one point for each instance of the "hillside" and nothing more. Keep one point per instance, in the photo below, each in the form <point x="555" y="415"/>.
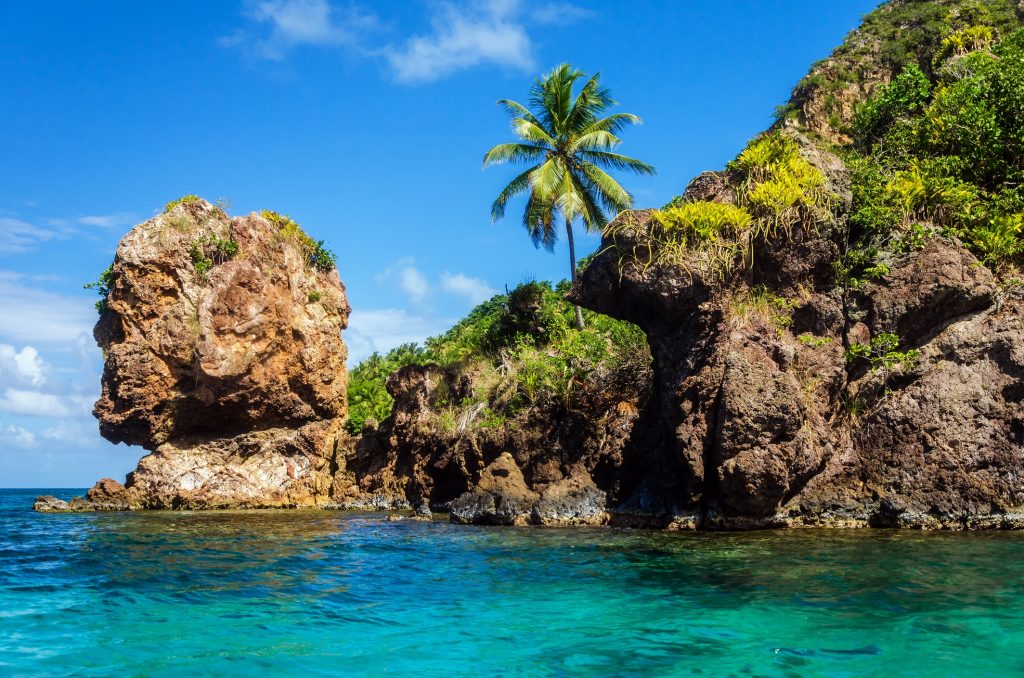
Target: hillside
<point x="834" y="319"/>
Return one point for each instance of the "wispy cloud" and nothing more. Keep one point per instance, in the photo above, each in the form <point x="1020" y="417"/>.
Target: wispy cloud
<point x="22" y="367"/>
<point x="34" y="316"/>
<point x="464" y="36"/>
<point x="474" y="290"/>
<point x="17" y="236"/>
<point x="34" y="403"/>
<point x="559" y="13"/>
<point x="408" y="278"/>
<point x="108" y="220"/>
<point x="383" y="329"/>
<point x="280" y="25"/>
<point x="459" y="35"/>
<point x="16" y="436"/>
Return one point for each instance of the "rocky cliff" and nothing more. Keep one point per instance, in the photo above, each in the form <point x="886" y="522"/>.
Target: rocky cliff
<point x="223" y="358"/>
<point x="832" y="334"/>
<point x="764" y="420"/>
<point x="835" y="320"/>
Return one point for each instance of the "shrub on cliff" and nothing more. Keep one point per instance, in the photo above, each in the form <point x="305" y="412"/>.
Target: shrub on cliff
<point x="947" y="151"/>
<point x="102" y="285"/>
<point x="317" y="255"/>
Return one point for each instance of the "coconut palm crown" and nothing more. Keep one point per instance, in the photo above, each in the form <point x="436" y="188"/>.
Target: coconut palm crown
<point x="569" y="143"/>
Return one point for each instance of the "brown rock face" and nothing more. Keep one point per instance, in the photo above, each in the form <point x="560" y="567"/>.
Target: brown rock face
<point x="234" y="376"/>
<point x="766" y="425"/>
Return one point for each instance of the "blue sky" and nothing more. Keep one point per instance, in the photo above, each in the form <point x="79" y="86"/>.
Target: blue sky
<point x="364" y="122"/>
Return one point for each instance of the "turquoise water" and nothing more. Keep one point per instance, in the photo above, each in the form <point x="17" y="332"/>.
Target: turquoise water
<point x="320" y="593"/>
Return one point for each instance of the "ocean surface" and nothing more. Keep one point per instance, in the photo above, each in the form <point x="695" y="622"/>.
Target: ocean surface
<point x="309" y="593"/>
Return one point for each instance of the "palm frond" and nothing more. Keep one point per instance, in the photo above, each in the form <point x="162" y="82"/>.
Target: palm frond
<point x="609" y="192"/>
<point x="546" y="179"/>
<point x="614" y="123"/>
<point x="513" y="153"/>
<point x="589" y="103"/>
<point x="608" y="160"/>
<point x="518" y="185"/>
<point x="599" y="140"/>
<point x="517" y="110"/>
<point x="594" y="217"/>
<point x="531" y="131"/>
<point x="539" y="219"/>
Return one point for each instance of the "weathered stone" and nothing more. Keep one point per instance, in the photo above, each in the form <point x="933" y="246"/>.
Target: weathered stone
<point x="233" y="377"/>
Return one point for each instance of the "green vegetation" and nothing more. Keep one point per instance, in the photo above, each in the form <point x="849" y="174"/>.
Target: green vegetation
<point x="523" y="350"/>
<point x="883" y="356"/>
<point x="808" y="339"/>
<point x="314" y="296"/>
<point x="102" y="285"/>
<point x="183" y="200"/>
<point x="760" y="303"/>
<point x="942" y="153"/>
<point x="210" y="251"/>
<point x="571" y="145"/>
<point x="778" y="189"/>
<point x="316" y="255"/>
<point x="901" y="35"/>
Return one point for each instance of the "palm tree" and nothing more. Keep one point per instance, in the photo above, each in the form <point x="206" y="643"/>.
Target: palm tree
<point x="570" y="146"/>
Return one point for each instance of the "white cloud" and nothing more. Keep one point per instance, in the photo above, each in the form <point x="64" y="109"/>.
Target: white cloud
<point x="108" y="220"/>
<point x="16" y="436"/>
<point x="409" y="279"/>
<point x="22" y="367"/>
<point x="300" y="22"/>
<point x="383" y="329"/>
<point x="20" y="236"/>
<point x="463" y="37"/>
<point x="71" y="431"/>
<point x="32" y="315"/>
<point x="473" y="290"/>
<point x="560" y="13"/>
<point x="462" y="34"/>
<point x="34" y="403"/>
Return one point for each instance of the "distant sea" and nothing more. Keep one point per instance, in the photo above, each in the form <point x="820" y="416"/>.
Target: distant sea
<point x="311" y="593"/>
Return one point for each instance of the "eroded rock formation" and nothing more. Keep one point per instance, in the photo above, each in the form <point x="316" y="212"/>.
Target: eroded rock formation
<point x="768" y="426"/>
<point x="223" y="357"/>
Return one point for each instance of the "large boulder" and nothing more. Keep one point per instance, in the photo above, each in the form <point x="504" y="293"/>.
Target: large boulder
<point x="223" y="357"/>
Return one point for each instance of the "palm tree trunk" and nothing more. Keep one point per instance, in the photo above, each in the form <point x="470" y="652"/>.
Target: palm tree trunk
<point x="572" y="266"/>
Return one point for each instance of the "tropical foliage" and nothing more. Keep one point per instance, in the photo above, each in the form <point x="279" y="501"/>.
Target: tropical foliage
<point x="317" y="256"/>
<point x="570" y="144"/>
<point x="777" y="189"/>
<point x="102" y="285"/>
<point x="523" y="350"/>
<point x="945" y="151"/>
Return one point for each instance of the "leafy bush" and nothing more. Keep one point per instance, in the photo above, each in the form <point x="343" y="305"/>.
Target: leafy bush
<point x="905" y="96"/>
<point x="183" y="200"/>
<point x="102" y="285"/>
<point x="951" y="157"/>
<point x="779" y="186"/>
<point x="882" y="354"/>
<point x="966" y="40"/>
<point x="317" y="256"/>
<point x="211" y="250"/>
<point x="314" y="296"/>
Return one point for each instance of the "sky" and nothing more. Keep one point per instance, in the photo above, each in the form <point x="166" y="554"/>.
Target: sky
<point x="365" y="122"/>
